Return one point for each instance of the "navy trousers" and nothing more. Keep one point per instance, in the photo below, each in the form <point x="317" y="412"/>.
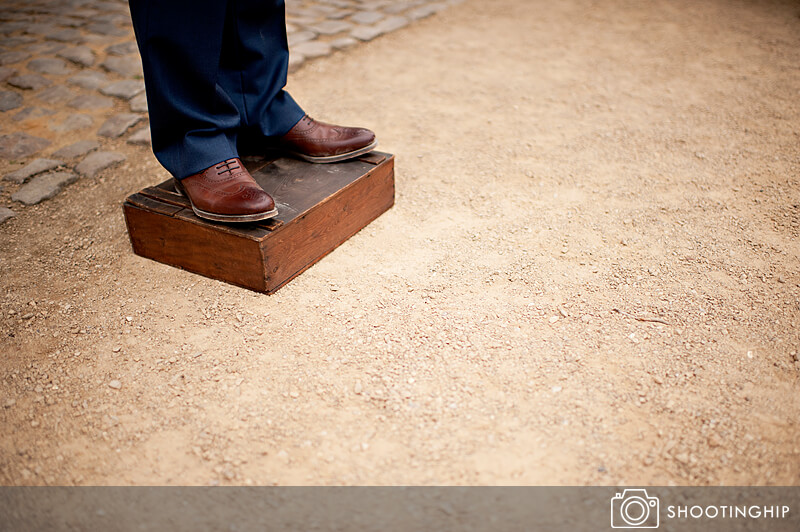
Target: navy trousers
<point x="215" y="72"/>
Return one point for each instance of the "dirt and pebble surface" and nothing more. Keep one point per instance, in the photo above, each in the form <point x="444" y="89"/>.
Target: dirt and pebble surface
<point x="590" y="276"/>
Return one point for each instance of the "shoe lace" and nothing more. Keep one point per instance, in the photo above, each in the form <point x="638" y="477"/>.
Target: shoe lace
<point x="227" y="166"/>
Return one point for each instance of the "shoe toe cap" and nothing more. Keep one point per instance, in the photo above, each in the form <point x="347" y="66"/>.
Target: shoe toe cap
<point x="257" y="200"/>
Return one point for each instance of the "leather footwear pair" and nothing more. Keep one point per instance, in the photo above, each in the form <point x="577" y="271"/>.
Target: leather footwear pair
<point x="226" y="192"/>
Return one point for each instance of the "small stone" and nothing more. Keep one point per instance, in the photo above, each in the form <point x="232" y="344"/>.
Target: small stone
<point x="714" y="441"/>
<point x="300" y="37"/>
<point x="9" y="100"/>
<point x="80" y="55"/>
<point x="331" y="27"/>
<point x="40" y="29"/>
<point x="682" y="458"/>
<point x="141" y="137"/>
<point x="139" y="103"/>
<point x="343" y="43"/>
<point x="37" y="166"/>
<point x="43" y="187"/>
<point x="393" y="23"/>
<point x="555" y="389"/>
<point x="86" y="101"/>
<point x="56" y="94"/>
<point x="6" y="214"/>
<point x="115" y="384"/>
<point x="18" y="145"/>
<point x="123" y="48"/>
<point x="19" y="40"/>
<point x="43" y="48"/>
<point x="293" y="394"/>
<point x="118" y="124"/>
<point x="9" y="403"/>
<point x="781" y="279"/>
<point x="49" y="65"/>
<point x="74" y="21"/>
<point x="106" y="28"/>
<point x="6" y="72"/>
<point x="553" y="319"/>
<point x="313" y="49"/>
<point x="395" y="8"/>
<point x="126" y="89"/>
<point x="367" y="17"/>
<point x="7" y="58"/>
<point x="73" y="122"/>
<point x="358" y="388"/>
<point x="128" y="65"/>
<point x="296" y="61"/>
<point x="89" y="79"/>
<point x="34" y="423"/>
<point x="82" y="147"/>
<point x="95" y="163"/>
<point x="66" y="35"/>
<point x="366" y="33"/>
<point x="117" y="349"/>
<point x="32" y="112"/>
<point x="421" y="12"/>
<point x="29" y="82"/>
<point x="338" y="15"/>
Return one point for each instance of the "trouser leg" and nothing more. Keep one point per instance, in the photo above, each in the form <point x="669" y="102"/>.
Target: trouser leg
<point x="253" y="67"/>
<point x="212" y="69"/>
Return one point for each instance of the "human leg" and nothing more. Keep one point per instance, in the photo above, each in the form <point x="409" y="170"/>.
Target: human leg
<point x="255" y="60"/>
<point x="193" y="122"/>
<point x="254" y="65"/>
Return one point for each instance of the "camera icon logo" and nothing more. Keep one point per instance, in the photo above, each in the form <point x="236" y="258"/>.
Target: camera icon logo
<point x="634" y="509"/>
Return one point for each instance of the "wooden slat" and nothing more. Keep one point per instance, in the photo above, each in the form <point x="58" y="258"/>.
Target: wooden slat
<point x="374" y="157"/>
<point x="253" y="163"/>
<point x="173" y="198"/>
<point x="270" y="224"/>
<point x="247" y="230"/>
<point x="146" y="202"/>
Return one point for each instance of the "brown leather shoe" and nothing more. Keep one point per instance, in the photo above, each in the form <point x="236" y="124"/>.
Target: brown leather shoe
<point x="226" y="192"/>
<point x="319" y="142"/>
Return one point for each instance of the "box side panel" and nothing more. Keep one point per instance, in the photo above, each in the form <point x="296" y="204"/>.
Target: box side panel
<point x="196" y="248"/>
<point x="300" y="243"/>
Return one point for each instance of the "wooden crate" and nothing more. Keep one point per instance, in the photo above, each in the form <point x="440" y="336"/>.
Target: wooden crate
<point x="319" y="207"/>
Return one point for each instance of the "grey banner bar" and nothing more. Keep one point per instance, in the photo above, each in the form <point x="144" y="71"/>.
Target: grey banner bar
<point x="773" y="509"/>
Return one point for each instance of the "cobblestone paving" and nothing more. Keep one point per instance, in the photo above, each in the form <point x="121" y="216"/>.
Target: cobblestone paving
<point x="71" y="90"/>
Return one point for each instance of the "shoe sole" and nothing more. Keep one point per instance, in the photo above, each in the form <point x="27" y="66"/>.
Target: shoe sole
<point x="214" y="217"/>
<point x="234" y="217"/>
<point x="336" y="158"/>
